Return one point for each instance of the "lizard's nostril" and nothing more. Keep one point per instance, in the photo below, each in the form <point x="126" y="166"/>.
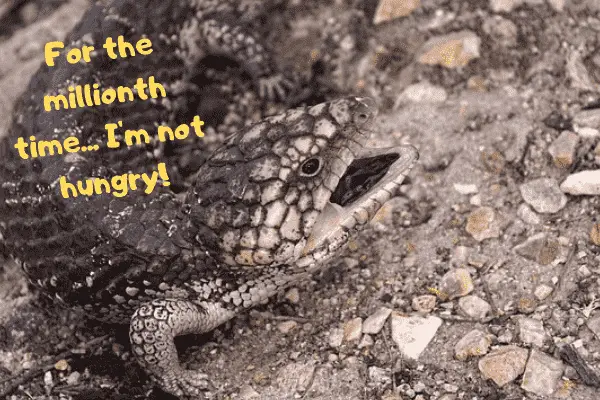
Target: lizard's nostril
<point x="365" y="111"/>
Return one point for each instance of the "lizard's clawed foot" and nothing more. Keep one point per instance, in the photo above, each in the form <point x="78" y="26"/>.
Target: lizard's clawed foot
<point x="185" y="384"/>
<point x="277" y="87"/>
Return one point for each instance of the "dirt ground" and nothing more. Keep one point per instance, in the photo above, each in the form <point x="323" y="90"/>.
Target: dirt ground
<point x="489" y="262"/>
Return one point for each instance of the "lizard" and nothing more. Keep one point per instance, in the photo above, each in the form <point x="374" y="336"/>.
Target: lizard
<point x="264" y="211"/>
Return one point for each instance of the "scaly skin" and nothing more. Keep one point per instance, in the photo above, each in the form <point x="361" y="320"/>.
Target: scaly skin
<point x="257" y="219"/>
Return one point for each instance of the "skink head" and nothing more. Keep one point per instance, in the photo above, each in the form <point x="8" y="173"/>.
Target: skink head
<point x="264" y="198"/>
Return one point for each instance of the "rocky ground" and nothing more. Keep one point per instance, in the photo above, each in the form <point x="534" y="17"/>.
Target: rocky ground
<point x="481" y="282"/>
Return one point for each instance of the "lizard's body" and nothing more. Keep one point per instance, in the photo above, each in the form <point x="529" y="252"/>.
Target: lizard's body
<point x="257" y="218"/>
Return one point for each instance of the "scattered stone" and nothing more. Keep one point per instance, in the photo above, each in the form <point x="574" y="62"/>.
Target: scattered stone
<point x="542" y="373"/>
<point x="388" y="10"/>
<point x="504" y="5"/>
<point x="366" y="341"/>
<point x="424" y="303"/>
<point x="542" y="292"/>
<point x="452" y="50"/>
<point x="293" y="296"/>
<point x="375" y="322"/>
<point x="474" y="307"/>
<point x="336" y="337"/>
<point x="477" y="83"/>
<point x="382" y="377"/>
<point x="247" y="392"/>
<point x="466" y="188"/>
<point x="413" y="334"/>
<point x="461" y="255"/>
<point x="61" y="365"/>
<point x="48" y="380"/>
<point x="73" y="378"/>
<point x="582" y="183"/>
<point x="527" y="304"/>
<point x="587" y="133"/>
<point x="563" y="149"/>
<point x="557" y="5"/>
<point x="587" y="118"/>
<point x="455" y="283"/>
<point x="475" y="200"/>
<point x="296" y="377"/>
<point x="483" y="224"/>
<point x="527" y="215"/>
<point x="353" y="330"/>
<point x="543" y="195"/>
<point x="595" y="234"/>
<point x="540" y="248"/>
<point x="594" y="325"/>
<point x="287" y="326"/>
<point x="504" y="364"/>
<point x="473" y="344"/>
<point x="578" y="73"/>
<point x="531" y="331"/>
<point x="504" y="31"/>
<point x="422" y="92"/>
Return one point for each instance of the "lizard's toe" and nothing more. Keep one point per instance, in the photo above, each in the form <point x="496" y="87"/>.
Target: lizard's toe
<point x="277" y="87"/>
<point x="186" y="384"/>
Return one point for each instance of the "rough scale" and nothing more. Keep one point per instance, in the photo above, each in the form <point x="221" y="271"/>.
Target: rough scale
<point x="257" y="219"/>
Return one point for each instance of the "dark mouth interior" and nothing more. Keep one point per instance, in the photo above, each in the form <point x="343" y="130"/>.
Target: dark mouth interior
<point x="361" y="176"/>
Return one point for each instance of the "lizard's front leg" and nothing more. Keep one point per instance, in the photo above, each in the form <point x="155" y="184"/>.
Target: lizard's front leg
<point x="153" y="329"/>
<point x="250" y="53"/>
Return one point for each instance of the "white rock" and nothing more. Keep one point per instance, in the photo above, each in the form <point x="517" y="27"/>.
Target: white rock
<point x="423" y="92"/>
<point x="466" y="188"/>
<point x="413" y="334"/>
<point x="375" y="322"/>
<point x="582" y="183"/>
<point x="587" y="133"/>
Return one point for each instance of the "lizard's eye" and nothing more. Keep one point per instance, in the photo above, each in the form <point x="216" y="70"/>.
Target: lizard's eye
<point x="311" y="167"/>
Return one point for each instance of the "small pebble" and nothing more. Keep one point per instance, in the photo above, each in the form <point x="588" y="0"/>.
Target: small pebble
<point x="455" y="283"/>
<point x="531" y="331"/>
<point x="287" y="326"/>
<point x="353" y="330"/>
<point x="563" y="149"/>
<point x="452" y="50"/>
<point x="483" y="224"/>
<point x="473" y="344"/>
<point x="374" y="323"/>
<point x="595" y="234"/>
<point x="48" y="380"/>
<point x="543" y="373"/>
<point x="336" y="337"/>
<point x="61" y="365"/>
<point x="504" y="364"/>
<point x="542" y="292"/>
<point x="543" y="195"/>
<point x="73" y="378"/>
<point x="388" y="10"/>
<point x="424" y="303"/>
<point x="474" y="307"/>
<point x="582" y="183"/>
<point x="466" y="188"/>
<point x="527" y="215"/>
<point x="293" y="296"/>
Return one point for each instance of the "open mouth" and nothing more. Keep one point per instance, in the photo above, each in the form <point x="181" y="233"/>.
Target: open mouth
<point x="372" y="178"/>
